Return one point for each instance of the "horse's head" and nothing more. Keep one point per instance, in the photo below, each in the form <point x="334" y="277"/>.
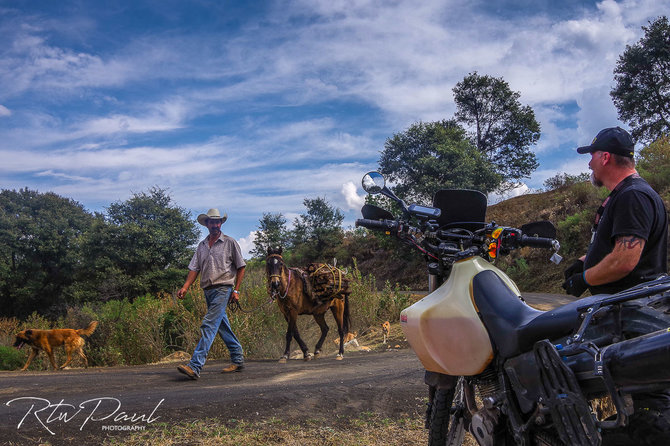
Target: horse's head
<point x="274" y="265"/>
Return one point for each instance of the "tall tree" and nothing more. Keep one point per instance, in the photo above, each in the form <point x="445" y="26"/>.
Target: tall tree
<point x="141" y="245"/>
<point x="271" y="232"/>
<point x="318" y="232"/>
<point x="642" y="76"/>
<point x="503" y="129"/>
<point x="436" y="155"/>
<point x="39" y="250"/>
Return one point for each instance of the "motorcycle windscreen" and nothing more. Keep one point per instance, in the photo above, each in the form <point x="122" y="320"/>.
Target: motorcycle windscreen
<point x="463" y="208"/>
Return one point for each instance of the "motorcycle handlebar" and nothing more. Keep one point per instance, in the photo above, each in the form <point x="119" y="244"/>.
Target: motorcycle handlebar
<point x="381" y="225"/>
<point x="537" y="242"/>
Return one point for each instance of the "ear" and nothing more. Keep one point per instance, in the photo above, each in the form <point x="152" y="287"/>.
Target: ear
<point x="29" y="332"/>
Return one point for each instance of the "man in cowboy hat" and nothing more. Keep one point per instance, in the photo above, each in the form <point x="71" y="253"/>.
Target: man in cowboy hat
<point x="219" y="262"/>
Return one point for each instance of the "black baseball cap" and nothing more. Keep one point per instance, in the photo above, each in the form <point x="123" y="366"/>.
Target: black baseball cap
<point x="614" y="140"/>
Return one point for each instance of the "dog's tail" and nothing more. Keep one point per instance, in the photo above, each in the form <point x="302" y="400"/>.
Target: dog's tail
<point x="88" y="331"/>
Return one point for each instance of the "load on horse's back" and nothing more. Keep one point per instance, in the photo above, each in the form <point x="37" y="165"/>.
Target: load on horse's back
<point x="293" y="291"/>
<point x="327" y="282"/>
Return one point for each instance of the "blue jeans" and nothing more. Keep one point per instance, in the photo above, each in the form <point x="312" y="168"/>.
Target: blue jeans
<point x="215" y="321"/>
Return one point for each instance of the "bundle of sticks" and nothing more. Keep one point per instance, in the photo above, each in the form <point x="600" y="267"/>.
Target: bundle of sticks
<point x="327" y="282"/>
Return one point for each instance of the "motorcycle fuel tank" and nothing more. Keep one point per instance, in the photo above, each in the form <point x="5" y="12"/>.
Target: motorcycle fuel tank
<point x="444" y="328"/>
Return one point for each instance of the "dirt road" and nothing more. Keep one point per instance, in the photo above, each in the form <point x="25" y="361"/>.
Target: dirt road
<point x="88" y="405"/>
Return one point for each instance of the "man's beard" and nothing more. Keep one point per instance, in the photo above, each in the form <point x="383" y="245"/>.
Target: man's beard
<point x="214" y="232"/>
<point x="595" y="181"/>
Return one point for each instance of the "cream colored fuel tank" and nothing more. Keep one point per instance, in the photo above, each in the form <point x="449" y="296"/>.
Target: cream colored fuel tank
<point x="444" y="328"/>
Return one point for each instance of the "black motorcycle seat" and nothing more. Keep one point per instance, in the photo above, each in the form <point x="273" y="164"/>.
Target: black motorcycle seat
<point x="514" y="326"/>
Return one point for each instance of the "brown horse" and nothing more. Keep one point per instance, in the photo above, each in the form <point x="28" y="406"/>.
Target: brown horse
<point x="290" y="287"/>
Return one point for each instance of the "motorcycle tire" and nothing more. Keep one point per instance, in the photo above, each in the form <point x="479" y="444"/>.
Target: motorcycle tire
<point x="446" y="422"/>
<point x="647" y="426"/>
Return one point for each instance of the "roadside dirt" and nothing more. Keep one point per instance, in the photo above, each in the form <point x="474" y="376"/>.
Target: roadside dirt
<point x="87" y="406"/>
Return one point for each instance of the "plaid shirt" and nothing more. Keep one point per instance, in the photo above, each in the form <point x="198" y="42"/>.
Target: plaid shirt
<point x="217" y="265"/>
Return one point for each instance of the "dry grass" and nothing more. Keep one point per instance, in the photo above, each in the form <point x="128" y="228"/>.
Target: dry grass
<point x="365" y="430"/>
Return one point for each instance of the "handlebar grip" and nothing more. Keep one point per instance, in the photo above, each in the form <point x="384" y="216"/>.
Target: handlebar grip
<point x="537" y="242"/>
<point x="381" y="225"/>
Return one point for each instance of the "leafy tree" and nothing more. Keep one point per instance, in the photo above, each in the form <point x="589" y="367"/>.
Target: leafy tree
<point x="271" y="232"/>
<point x="504" y="130"/>
<point x="39" y="250"/>
<point x="317" y="233"/>
<point x="642" y="76"/>
<point x="432" y="156"/>
<point x="140" y="246"/>
<point x="653" y="163"/>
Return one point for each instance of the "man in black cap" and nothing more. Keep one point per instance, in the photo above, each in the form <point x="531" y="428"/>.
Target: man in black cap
<point x="630" y="232"/>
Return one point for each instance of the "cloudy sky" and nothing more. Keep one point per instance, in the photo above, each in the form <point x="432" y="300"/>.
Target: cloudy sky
<point x="253" y="106"/>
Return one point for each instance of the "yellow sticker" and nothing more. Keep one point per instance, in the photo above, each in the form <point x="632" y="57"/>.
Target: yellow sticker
<point x="496" y="232"/>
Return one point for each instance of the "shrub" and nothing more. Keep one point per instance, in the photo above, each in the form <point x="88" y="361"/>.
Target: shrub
<point x="11" y="358"/>
<point x="564" y="179"/>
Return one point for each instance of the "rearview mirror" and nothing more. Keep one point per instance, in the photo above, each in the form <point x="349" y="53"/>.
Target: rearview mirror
<point x="373" y="182"/>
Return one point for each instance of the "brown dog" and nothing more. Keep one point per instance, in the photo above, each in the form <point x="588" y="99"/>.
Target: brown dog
<point x="386" y="330"/>
<point x="46" y="340"/>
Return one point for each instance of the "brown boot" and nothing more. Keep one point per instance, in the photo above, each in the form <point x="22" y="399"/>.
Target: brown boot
<point x="233" y="368"/>
<point x="186" y="370"/>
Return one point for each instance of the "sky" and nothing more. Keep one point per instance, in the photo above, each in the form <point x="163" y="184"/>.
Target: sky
<point x="252" y="106"/>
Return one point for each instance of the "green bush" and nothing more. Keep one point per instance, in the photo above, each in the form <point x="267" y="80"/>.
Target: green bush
<point x="11" y="358"/>
<point x="149" y="328"/>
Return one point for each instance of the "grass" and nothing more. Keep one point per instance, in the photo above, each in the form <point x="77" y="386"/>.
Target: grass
<point x="367" y="429"/>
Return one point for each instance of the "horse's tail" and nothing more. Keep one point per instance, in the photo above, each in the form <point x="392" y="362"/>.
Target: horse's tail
<point x="346" y="317"/>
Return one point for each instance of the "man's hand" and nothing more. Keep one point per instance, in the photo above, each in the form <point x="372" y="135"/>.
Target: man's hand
<point x="576" y="267"/>
<point x="575" y="285"/>
<point x="235" y="296"/>
<point x="182" y="292"/>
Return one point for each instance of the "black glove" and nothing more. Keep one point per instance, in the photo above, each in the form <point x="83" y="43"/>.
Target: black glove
<point x="576" y="267"/>
<point x="575" y="285"/>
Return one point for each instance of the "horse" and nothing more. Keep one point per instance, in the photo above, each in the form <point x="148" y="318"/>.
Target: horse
<point x="291" y="289"/>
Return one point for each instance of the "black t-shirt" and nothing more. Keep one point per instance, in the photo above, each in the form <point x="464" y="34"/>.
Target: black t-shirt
<point x="634" y="209"/>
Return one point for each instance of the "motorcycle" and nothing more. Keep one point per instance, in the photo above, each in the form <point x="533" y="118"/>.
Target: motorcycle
<point x="506" y="372"/>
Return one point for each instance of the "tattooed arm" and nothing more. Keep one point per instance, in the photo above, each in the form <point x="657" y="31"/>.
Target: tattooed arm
<point x="619" y="263"/>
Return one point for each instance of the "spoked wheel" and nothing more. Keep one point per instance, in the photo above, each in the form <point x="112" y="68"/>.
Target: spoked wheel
<point x="447" y="417"/>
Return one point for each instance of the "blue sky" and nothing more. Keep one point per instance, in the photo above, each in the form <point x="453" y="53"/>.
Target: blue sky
<point x="253" y="106"/>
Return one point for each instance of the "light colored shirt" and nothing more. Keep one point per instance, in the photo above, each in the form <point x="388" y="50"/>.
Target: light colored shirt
<point x="217" y="265"/>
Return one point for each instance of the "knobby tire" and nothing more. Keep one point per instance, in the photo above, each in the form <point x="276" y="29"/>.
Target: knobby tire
<point x="447" y="425"/>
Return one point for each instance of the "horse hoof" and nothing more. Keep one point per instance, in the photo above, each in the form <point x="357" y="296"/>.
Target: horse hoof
<point x="339" y="357"/>
<point x="309" y="357"/>
<point x="283" y="360"/>
<point x="317" y="354"/>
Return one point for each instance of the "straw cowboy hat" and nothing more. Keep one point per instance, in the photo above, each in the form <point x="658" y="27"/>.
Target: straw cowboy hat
<point x="213" y="214"/>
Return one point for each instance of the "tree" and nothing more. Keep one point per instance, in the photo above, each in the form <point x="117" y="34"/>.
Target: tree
<point x="40" y="236"/>
<point x="653" y="163"/>
<point x="504" y="130"/>
<point x="318" y="232"/>
<point x="642" y="76"/>
<point x="140" y="246"/>
<point x="432" y="156"/>
<point x="271" y="232"/>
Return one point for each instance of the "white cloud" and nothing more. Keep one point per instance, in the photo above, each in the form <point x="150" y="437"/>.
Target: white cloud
<point x="496" y="197"/>
<point x="350" y="193"/>
<point x="4" y="111"/>
<point x="247" y="244"/>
